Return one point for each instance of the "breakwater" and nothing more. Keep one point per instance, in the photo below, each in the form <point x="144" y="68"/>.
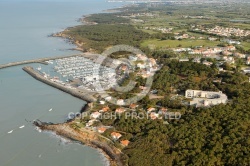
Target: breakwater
<point x="41" y="60"/>
<point x="84" y="95"/>
<point x="108" y="62"/>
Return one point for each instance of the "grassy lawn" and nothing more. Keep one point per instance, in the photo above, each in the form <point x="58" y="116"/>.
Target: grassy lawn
<point x="246" y="45"/>
<point x="149" y="31"/>
<point x="175" y="43"/>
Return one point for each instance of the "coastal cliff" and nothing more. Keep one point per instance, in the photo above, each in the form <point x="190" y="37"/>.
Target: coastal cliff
<point x="87" y="137"/>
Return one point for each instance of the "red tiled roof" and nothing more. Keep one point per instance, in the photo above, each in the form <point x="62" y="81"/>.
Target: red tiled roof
<point x="125" y="142"/>
<point x="116" y="135"/>
<point x="101" y="129"/>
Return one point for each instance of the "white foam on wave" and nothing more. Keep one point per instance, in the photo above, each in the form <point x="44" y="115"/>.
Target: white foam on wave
<point x="38" y="129"/>
<point x="65" y="141"/>
<point x="10" y="132"/>
<point x="21" y="127"/>
<point x="105" y="161"/>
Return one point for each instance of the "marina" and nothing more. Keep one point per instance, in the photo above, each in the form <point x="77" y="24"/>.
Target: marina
<point x="83" y="73"/>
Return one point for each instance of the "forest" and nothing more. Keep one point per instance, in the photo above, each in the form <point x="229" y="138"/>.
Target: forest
<point x="99" y="37"/>
<point x="106" y="18"/>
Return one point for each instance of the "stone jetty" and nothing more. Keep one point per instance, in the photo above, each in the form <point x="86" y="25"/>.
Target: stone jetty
<point x="84" y="95"/>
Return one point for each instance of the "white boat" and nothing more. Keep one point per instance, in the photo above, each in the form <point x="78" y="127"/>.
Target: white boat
<point x="21" y="127"/>
<point x="50" y="110"/>
<point x="39" y="68"/>
<point x="10" y="132"/>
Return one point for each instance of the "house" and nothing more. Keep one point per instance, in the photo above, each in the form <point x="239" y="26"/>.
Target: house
<point x="120" y="110"/>
<point x="120" y="102"/>
<point x="248" y="60"/>
<point x="247" y="70"/>
<point x="153" y="115"/>
<point x="197" y="60"/>
<point x="108" y="98"/>
<point x="124" y="142"/>
<point x="95" y="115"/>
<point x="181" y="49"/>
<point x="133" y="106"/>
<point x="104" y="109"/>
<point x="232" y="41"/>
<point x="124" y="67"/>
<point x="154" y="91"/>
<point x="185" y="36"/>
<point x="162" y="110"/>
<point x="145" y="75"/>
<point x="90" y="122"/>
<point x="150" y="109"/>
<point x="141" y="66"/>
<point x="184" y="60"/>
<point x="220" y="69"/>
<point x="101" y="130"/>
<point x="217" y="80"/>
<point x="102" y="102"/>
<point x="212" y="39"/>
<point x="196" y="52"/>
<point x="152" y="61"/>
<point x="227" y="53"/>
<point x="239" y="55"/>
<point x="207" y="63"/>
<point x="230" y="48"/>
<point x="229" y="60"/>
<point x="142" y="57"/>
<point x="142" y="87"/>
<point x="115" y="135"/>
<point x="133" y="58"/>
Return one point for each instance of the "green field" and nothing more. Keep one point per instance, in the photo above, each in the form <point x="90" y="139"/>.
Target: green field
<point x="246" y="45"/>
<point x="178" y="43"/>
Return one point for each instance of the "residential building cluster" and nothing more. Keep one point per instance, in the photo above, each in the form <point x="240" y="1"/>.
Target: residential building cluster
<point x="161" y="29"/>
<point x="222" y="31"/>
<point x="196" y="17"/>
<point x="227" y="54"/>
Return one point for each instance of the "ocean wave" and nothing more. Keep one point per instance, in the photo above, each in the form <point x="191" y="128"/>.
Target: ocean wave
<point x="65" y="141"/>
<point x="103" y="158"/>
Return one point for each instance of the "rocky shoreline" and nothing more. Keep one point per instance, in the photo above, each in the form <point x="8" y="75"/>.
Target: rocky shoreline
<point x="79" y="45"/>
<point x="84" y="136"/>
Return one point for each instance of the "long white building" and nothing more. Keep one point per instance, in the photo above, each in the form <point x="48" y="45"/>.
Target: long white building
<point x="205" y="98"/>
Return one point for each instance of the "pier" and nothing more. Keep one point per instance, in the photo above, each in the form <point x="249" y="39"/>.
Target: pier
<point x="84" y="95"/>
